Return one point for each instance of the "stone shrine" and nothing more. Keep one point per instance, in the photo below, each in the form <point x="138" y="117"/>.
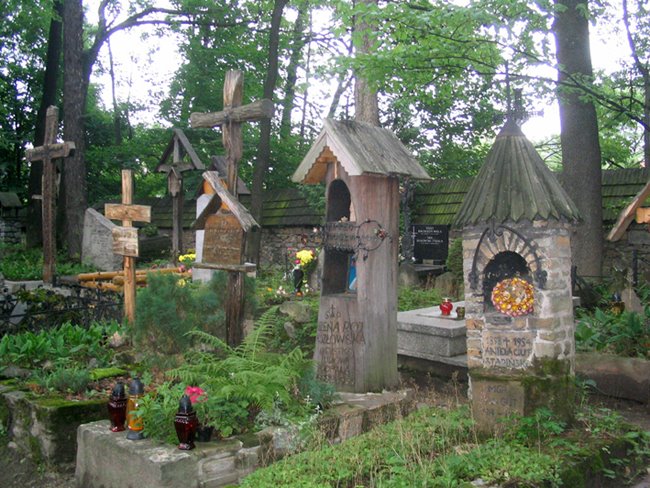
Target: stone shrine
<point x="356" y="342"/>
<point x="516" y="221"/>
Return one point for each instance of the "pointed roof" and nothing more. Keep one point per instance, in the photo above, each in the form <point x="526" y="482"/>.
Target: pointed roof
<point x="361" y="149"/>
<point x="514" y="184"/>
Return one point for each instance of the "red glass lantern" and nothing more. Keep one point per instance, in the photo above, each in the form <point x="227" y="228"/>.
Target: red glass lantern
<point x="134" y="423"/>
<point x="446" y="306"/>
<point x="117" y="407"/>
<point x="186" y="424"/>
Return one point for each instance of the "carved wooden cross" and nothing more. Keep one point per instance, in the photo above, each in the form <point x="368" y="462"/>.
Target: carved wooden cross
<point x="125" y="238"/>
<point x="230" y="120"/>
<point x="177" y="148"/>
<point x="48" y="152"/>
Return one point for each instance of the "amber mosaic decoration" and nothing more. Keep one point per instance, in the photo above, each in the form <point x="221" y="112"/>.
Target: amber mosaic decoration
<point x="513" y="297"/>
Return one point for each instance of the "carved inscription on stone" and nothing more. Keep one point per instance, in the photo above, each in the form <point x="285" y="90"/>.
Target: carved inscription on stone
<point x="336" y="339"/>
<point x="492" y="400"/>
<point x="511" y="350"/>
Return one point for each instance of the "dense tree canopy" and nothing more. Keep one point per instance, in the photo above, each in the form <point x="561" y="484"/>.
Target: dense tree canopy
<point x="445" y="73"/>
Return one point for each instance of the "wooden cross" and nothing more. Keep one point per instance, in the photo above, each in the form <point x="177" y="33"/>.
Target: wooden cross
<point x="125" y="238"/>
<point x="177" y="148"/>
<point x="230" y="120"/>
<point x="48" y="152"/>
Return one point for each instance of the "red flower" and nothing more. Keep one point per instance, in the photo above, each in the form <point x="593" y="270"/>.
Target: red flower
<point x="196" y="394"/>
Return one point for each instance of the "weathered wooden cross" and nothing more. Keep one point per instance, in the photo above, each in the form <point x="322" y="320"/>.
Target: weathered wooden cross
<point x="230" y="120"/>
<point x="125" y="238"/>
<point x="177" y="148"/>
<point x="48" y="153"/>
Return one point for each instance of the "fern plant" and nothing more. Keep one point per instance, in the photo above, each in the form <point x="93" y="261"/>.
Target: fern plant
<point x="238" y="383"/>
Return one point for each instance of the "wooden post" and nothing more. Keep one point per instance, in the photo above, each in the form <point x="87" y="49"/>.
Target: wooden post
<point x="125" y="238"/>
<point x="178" y="147"/>
<point x="47" y="153"/>
<point x="230" y="120"/>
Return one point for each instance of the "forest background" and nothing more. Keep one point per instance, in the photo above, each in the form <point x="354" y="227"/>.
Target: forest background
<point x="445" y="73"/>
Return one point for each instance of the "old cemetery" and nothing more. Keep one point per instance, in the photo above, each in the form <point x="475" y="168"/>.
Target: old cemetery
<point x="471" y="364"/>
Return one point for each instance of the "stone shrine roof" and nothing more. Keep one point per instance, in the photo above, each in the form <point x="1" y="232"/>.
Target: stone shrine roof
<point x="361" y="149"/>
<point x="514" y="184"/>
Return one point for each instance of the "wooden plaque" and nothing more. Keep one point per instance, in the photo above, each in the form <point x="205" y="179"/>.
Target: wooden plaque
<point x="224" y="240"/>
<point x="137" y="213"/>
<point x="125" y="241"/>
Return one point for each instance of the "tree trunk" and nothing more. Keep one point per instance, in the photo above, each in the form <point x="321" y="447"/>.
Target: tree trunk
<point x="581" y="156"/>
<point x="34" y="235"/>
<point x="297" y="44"/>
<point x="264" y="148"/>
<point x="365" y="97"/>
<point x="73" y="188"/>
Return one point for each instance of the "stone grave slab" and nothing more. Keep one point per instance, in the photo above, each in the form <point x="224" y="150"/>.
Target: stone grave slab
<point x="97" y="243"/>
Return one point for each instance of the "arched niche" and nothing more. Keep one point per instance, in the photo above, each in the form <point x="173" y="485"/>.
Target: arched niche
<point x="506" y="264"/>
<point x="339" y="202"/>
<point x="339" y="269"/>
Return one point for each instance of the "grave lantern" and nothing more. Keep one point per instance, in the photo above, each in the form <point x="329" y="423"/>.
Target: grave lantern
<point x="356" y="343"/>
<point x="117" y="407"/>
<point x="516" y="221"/>
<point x="135" y="424"/>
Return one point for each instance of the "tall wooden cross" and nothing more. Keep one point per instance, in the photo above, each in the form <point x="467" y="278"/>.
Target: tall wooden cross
<point x="230" y="120"/>
<point x="125" y="238"/>
<point x="48" y="153"/>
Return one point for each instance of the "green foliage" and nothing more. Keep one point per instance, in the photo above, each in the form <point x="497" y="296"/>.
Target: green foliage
<point x="304" y="336"/>
<point x="413" y="298"/>
<point x="439" y="448"/>
<point x="64" y="379"/>
<point x="67" y="342"/>
<point x="170" y="307"/>
<point x="625" y="334"/>
<point x="158" y="409"/>
<point x="455" y="259"/>
<point x="237" y="383"/>
<point x="18" y="263"/>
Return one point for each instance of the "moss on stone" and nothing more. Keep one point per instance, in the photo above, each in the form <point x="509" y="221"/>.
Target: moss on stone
<point x="101" y="373"/>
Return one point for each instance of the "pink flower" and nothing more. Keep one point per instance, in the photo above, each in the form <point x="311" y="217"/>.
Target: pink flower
<point x="196" y="394"/>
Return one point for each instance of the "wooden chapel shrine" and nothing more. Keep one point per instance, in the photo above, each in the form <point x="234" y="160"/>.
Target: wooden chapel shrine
<point x="356" y="342"/>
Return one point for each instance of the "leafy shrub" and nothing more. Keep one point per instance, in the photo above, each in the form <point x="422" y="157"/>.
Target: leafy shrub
<point x="170" y="307"/>
<point x="67" y="342"/>
<point x="304" y="336"/>
<point x="625" y="334"/>
<point x="64" y="379"/>
<point x="413" y="298"/>
<point x="18" y="263"/>
<point x="238" y="382"/>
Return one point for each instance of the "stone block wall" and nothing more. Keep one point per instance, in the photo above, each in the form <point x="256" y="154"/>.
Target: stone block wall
<point x="514" y="342"/>
<point x="10" y="231"/>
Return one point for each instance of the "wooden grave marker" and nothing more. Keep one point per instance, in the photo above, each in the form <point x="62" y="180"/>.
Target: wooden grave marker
<point x="48" y="153"/>
<point x="178" y="147"/>
<point x="230" y="120"/>
<point x="125" y="238"/>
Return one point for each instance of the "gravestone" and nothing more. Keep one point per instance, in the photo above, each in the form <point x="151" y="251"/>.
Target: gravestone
<point x="516" y="221"/>
<point x="431" y="243"/>
<point x="356" y="342"/>
<point x="97" y="242"/>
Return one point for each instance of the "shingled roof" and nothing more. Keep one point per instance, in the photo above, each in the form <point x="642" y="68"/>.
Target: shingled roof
<point x="514" y="184"/>
<point x="361" y="149"/>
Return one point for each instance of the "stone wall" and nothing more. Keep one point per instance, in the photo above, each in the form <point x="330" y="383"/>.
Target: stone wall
<point x="10" y="231"/>
<point x="280" y="244"/>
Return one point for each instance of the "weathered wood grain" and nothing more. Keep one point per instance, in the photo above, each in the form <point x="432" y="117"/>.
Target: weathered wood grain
<point x="254" y="111"/>
<point x="133" y="213"/>
<point x="125" y="241"/>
